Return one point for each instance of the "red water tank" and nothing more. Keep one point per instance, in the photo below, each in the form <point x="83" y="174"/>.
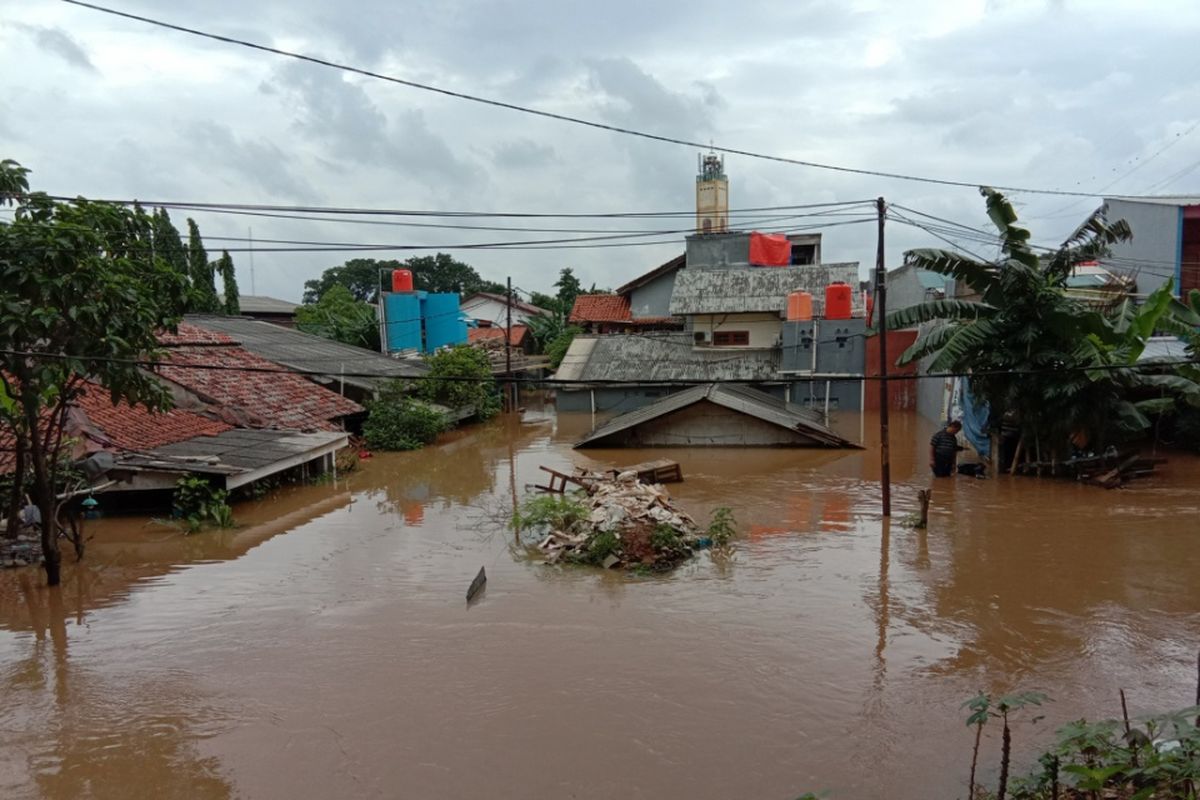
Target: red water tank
<point x="402" y="280"/>
<point x="837" y="301"/>
<point x="799" y="307"/>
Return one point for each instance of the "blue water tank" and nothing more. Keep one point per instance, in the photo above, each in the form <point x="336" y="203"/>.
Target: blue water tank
<point x="445" y="324"/>
<point x="402" y="318"/>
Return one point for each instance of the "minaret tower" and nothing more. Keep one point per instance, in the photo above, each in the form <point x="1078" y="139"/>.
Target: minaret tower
<point x="712" y="195"/>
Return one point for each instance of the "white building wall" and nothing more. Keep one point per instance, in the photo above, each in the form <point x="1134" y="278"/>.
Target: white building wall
<point x="1155" y="244"/>
<point x="494" y="311"/>
<point x="765" y="329"/>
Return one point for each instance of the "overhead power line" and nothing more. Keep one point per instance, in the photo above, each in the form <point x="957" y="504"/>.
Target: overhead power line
<point x="152" y="364"/>
<point x="563" y="117"/>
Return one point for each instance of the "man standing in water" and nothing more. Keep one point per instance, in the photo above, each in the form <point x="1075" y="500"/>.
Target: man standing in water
<point x="943" y="449"/>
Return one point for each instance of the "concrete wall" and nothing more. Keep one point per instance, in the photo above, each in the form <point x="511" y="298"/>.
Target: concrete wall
<point x="904" y="289"/>
<point x="725" y="251"/>
<point x="764" y="328"/>
<point x="708" y="424"/>
<point x="654" y="298"/>
<point x="1156" y="230"/>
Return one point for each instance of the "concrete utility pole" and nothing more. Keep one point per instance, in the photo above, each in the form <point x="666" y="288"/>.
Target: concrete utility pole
<point x="885" y="466"/>
<point x="510" y="400"/>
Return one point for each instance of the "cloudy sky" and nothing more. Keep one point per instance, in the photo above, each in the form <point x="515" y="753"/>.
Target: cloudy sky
<point x="1077" y="94"/>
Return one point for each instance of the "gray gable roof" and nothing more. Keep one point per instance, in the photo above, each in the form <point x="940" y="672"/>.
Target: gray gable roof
<point x="662" y="357"/>
<point x="757" y="289"/>
<point x="304" y="351"/>
<point x="742" y="399"/>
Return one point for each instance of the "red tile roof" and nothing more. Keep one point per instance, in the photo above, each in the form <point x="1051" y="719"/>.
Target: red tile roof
<point x="189" y="334"/>
<point x="270" y="397"/>
<point x="121" y="426"/>
<point x="475" y="335"/>
<point x="136" y="428"/>
<point x="600" y="308"/>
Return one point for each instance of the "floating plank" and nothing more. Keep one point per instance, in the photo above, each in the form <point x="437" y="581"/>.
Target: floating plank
<point x="477" y="585"/>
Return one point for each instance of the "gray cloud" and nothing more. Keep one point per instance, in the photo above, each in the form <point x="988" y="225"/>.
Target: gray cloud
<point x="58" y="42"/>
<point x="261" y="161"/>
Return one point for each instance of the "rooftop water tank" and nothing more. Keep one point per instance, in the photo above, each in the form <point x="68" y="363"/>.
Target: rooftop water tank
<point x="838" y="301"/>
<point x="402" y="280"/>
<point x="799" y="307"/>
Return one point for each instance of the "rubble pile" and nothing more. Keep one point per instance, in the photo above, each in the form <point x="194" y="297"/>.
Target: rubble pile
<point x="22" y="549"/>
<point x="622" y="523"/>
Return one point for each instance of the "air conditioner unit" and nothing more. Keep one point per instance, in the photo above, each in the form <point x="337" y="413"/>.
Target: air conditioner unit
<point x="700" y="337"/>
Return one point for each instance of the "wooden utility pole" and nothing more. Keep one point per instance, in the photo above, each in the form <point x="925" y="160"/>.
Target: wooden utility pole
<point x="508" y="393"/>
<point x="885" y="466"/>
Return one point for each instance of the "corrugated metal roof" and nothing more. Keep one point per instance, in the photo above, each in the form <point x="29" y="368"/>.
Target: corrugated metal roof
<point x="740" y="398"/>
<point x="304" y="351"/>
<point x="1163" y="200"/>
<point x="261" y="304"/>
<point x="726" y="291"/>
<point x="1163" y="348"/>
<point x="651" y="357"/>
<point x="576" y="358"/>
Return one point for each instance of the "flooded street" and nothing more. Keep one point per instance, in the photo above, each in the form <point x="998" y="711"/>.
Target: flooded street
<point x="323" y="648"/>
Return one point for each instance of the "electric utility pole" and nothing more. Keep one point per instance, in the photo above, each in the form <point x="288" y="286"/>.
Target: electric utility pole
<point x="885" y="467"/>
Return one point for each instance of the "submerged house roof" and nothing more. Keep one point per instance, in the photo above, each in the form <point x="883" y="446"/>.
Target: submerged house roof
<point x="758" y="289"/>
<point x="654" y="357"/>
<point x="671" y="420"/>
<point x="304" y="351"/>
<point x="99" y="424"/>
<point x="245" y="388"/>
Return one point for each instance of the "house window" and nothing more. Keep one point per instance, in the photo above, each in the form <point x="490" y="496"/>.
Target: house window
<point x="731" y="338"/>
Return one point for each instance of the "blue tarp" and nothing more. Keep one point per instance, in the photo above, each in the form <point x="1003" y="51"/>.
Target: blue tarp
<point x="974" y="419"/>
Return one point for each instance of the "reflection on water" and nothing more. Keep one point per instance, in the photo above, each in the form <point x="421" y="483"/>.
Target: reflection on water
<point x="323" y="648"/>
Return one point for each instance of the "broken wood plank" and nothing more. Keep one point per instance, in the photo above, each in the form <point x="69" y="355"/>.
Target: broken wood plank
<point x="477" y="585"/>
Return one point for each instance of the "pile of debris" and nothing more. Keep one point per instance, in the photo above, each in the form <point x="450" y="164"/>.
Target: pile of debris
<point x="20" y="549"/>
<point x="619" y="522"/>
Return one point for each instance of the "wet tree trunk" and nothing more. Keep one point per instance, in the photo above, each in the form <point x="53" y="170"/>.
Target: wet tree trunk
<point x="43" y="492"/>
<point x="13" y="512"/>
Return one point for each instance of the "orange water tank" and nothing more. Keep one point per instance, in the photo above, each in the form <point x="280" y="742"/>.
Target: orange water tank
<point x="837" y="301"/>
<point x="799" y="307"/>
<point x="402" y="280"/>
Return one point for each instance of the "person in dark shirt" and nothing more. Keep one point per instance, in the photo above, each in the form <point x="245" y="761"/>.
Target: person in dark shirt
<point x="943" y="449"/>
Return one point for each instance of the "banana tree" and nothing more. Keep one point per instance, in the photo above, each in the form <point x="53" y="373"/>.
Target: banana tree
<point x="1034" y="350"/>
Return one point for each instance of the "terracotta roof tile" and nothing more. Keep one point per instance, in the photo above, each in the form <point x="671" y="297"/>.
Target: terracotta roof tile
<point x="475" y="335"/>
<point x="279" y="400"/>
<point x="600" y="308"/>
<point x="189" y="334"/>
<point x="122" y="426"/>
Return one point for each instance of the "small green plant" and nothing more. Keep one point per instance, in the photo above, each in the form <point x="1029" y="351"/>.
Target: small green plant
<point x="557" y="512"/>
<point x="722" y="528"/>
<point x="602" y="545"/>
<point x="200" y="505"/>
<point x="664" y="537"/>
<point x="396" y="422"/>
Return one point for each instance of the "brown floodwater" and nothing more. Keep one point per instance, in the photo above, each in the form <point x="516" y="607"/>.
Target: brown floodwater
<point x="323" y="648"/>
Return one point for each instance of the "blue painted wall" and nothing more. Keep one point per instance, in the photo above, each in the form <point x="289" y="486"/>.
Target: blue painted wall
<point x="444" y="323"/>
<point x="402" y="316"/>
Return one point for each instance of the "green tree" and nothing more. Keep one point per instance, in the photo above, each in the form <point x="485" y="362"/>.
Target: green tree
<point x="167" y="244"/>
<point x="1063" y="369"/>
<point x="396" y="421"/>
<point x="229" y="286"/>
<point x="204" y="290"/>
<point x="444" y="273"/>
<point x="461" y="377"/>
<point x="82" y="295"/>
<point x="339" y="316"/>
<point x="568" y="289"/>
<point x="549" y="302"/>
<point x="365" y="276"/>
<point x="360" y="276"/>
